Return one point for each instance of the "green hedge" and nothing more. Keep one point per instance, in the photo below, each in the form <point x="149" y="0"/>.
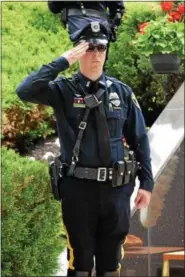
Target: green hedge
<point x="31" y="218"/>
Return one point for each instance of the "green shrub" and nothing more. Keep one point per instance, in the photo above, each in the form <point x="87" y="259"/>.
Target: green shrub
<point x="27" y="125"/>
<point x="31" y="218"/>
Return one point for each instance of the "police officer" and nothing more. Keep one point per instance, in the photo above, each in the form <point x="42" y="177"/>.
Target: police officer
<point x="93" y="113"/>
<point x="77" y="15"/>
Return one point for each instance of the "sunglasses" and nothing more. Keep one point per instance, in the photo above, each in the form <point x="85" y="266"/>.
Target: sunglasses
<point x="99" y="47"/>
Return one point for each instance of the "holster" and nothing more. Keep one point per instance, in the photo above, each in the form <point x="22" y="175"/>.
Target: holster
<point x="57" y="171"/>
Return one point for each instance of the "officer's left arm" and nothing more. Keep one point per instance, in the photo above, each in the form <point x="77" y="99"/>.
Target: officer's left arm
<point x="116" y="11"/>
<point x="136" y="136"/>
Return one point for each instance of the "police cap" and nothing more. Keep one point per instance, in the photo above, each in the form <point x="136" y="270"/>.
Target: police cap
<point x="94" y="32"/>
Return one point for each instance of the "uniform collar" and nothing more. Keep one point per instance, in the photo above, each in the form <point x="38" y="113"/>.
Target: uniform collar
<point x="86" y="82"/>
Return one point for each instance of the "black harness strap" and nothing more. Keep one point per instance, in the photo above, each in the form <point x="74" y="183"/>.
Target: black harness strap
<point x="82" y="127"/>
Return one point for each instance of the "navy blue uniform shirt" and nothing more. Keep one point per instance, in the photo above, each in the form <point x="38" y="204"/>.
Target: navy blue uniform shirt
<point x="123" y="114"/>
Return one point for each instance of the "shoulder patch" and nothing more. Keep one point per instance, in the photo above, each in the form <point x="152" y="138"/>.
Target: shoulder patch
<point x="134" y="99"/>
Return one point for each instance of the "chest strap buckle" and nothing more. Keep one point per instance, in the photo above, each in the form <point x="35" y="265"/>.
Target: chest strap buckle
<point x="91" y="101"/>
<point x="82" y="125"/>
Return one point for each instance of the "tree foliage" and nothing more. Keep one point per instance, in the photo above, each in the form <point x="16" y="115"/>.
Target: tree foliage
<point x="128" y="64"/>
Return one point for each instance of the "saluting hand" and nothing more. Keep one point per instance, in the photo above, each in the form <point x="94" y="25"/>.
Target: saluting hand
<point x="76" y="53"/>
<point x="143" y="198"/>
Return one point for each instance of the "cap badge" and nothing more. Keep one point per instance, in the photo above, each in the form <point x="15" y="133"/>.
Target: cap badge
<point x="95" y="26"/>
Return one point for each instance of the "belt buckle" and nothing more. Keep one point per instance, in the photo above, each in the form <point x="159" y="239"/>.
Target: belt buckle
<point x="102" y="174"/>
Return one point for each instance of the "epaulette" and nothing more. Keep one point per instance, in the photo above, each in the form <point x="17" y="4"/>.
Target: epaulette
<point x="127" y="89"/>
<point x="117" y="81"/>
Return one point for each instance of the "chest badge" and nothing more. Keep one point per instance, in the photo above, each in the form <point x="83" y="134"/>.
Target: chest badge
<point x="114" y="101"/>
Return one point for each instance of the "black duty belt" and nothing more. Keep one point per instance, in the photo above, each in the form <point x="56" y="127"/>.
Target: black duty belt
<point x="122" y="173"/>
<point x="100" y="174"/>
<point x="87" y="12"/>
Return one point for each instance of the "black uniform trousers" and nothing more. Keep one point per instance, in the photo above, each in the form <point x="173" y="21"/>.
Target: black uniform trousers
<point x="96" y="217"/>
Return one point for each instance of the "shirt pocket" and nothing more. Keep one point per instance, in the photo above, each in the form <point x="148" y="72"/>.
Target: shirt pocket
<point x="74" y="117"/>
<point x="75" y="112"/>
<point x="115" y="120"/>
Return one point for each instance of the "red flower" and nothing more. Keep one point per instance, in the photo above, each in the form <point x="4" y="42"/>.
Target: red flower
<point x="166" y="6"/>
<point x="181" y="8"/>
<point x="142" y="26"/>
<point x="174" y="16"/>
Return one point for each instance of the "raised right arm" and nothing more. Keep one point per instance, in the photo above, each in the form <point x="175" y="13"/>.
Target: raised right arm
<point x="35" y="88"/>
